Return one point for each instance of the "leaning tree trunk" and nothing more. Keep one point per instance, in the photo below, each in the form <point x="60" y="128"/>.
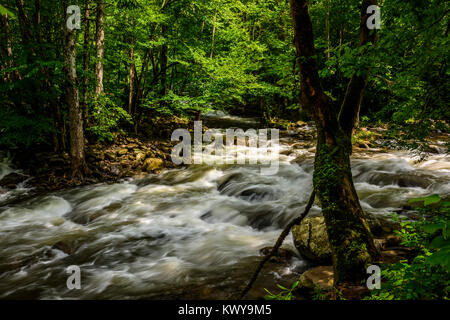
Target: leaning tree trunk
<point x="350" y="237"/>
<point x="100" y="44"/>
<point x="77" y="153"/>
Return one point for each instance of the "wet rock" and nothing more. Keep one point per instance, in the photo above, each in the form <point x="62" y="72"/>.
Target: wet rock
<point x="404" y="180"/>
<point x="381" y="225"/>
<point x="257" y="194"/>
<point x="311" y="240"/>
<point x="354" y="292"/>
<point x="11" y="180"/>
<point x="122" y="152"/>
<point x="132" y="146"/>
<point x="152" y="164"/>
<point x="392" y="256"/>
<point x="140" y="156"/>
<point x="68" y="247"/>
<point x="286" y="152"/>
<point x="110" y="156"/>
<point x="393" y="240"/>
<point x="321" y="277"/>
<point x="435" y="149"/>
<point x="282" y="255"/>
<point x="363" y="145"/>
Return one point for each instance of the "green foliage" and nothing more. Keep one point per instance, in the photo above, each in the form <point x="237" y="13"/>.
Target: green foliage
<point x="427" y="275"/>
<point x="106" y="116"/>
<point x="192" y="56"/>
<point x="284" y="294"/>
<point x="17" y="130"/>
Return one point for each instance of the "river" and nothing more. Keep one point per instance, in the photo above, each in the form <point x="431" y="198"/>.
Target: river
<point x="191" y="232"/>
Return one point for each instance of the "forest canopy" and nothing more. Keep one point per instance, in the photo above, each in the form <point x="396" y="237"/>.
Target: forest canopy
<point x="178" y="57"/>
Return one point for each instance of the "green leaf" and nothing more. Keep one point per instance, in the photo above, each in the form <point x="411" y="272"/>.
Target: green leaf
<point x="432" y="200"/>
<point x="432" y="228"/>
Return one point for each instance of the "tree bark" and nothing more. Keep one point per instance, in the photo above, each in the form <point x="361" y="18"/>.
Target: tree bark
<point x="163" y="63"/>
<point x="24" y="23"/>
<point x="213" y="35"/>
<point x="8" y="53"/>
<point x="100" y="45"/>
<point x="350" y="108"/>
<point x="350" y="237"/>
<point x="86" y="61"/>
<point x="77" y="152"/>
<point x="132" y="78"/>
<point x="327" y="26"/>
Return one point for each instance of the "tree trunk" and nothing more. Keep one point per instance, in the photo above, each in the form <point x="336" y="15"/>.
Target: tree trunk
<point x="163" y="64"/>
<point x="8" y="53"/>
<point x="132" y="79"/>
<point x="100" y="44"/>
<point x="350" y="237"/>
<point x="86" y="60"/>
<point x="77" y="153"/>
<point x="213" y="34"/>
<point x="24" y="24"/>
<point x="327" y="23"/>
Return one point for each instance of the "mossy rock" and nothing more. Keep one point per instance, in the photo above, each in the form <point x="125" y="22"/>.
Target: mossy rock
<point x="311" y="240"/>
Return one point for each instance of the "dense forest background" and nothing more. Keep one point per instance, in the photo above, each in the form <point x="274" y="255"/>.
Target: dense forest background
<point x="137" y="61"/>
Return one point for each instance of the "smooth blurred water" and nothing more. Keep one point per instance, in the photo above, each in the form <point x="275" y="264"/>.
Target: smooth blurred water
<point x="183" y="228"/>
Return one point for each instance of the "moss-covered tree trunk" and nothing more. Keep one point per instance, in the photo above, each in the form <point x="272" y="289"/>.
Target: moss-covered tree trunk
<point x="350" y="237"/>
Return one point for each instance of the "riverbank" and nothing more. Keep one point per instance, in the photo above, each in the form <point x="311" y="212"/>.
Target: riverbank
<point x="150" y="153"/>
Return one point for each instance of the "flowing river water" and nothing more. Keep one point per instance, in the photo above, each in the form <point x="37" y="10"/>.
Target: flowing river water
<point x="191" y="232"/>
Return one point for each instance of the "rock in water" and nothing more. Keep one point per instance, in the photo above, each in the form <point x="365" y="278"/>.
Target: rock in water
<point x="11" y="180"/>
<point x="321" y="277"/>
<point x="311" y="240"/>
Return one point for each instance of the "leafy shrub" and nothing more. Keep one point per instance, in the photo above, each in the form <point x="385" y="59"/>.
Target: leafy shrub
<point x="285" y="294"/>
<point x="427" y="275"/>
<point x="106" y="116"/>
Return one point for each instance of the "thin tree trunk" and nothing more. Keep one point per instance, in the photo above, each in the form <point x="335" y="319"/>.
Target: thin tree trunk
<point x="213" y="34"/>
<point x="350" y="237"/>
<point x="77" y="153"/>
<point x="132" y="78"/>
<point x="86" y="61"/>
<point x="24" y="23"/>
<point x="100" y="44"/>
<point x="327" y="22"/>
<point x="163" y="64"/>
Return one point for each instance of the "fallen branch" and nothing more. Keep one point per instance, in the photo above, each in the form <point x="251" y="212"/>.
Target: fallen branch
<point x="278" y="244"/>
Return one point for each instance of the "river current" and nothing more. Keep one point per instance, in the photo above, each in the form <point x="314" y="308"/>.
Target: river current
<point x="197" y="229"/>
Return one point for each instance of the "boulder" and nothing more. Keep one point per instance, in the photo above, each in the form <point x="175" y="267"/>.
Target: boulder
<point x="152" y="164"/>
<point x="132" y="146"/>
<point x="140" y="156"/>
<point x="11" y="180"/>
<point x="321" y="277"/>
<point x="311" y="240"/>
